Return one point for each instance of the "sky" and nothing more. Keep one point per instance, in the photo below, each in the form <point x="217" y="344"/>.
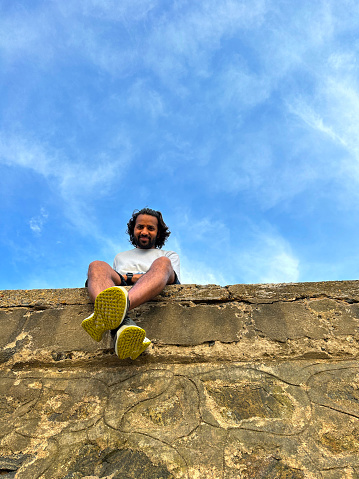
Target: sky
<point x="238" y="120"/>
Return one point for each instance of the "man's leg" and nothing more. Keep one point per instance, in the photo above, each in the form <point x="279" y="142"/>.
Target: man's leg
<point x="152" y="283"/>
<point x="147" y="287"/>
<point x="100" y="277"/>
<point x="110" y="303"/>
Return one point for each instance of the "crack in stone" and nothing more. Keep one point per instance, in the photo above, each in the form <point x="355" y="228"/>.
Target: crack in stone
<point x="341" y="411"/>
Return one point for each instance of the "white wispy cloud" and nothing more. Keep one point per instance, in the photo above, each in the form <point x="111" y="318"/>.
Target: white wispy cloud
<point x="78" y="183"/>
<point x="45" y="33"/>
<point x="75" y="178"/>
<point x="36" y="223"/>
<point x="268" y="259"/>
<point x="252" y="254"/>
<point x="23" y="32"/>
<point x="332" y="115"/>
<point x="193" y="34"/>
<point x="205" y="264"/>
<point x="199" y="272"/>
<point x="324" y="97"/>
<point x="210" y="233"/>
<point x="110" y="10"/>
<point x="146" y="99"/>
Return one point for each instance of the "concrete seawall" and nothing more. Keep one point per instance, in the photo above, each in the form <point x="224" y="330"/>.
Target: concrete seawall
<point x="249" y="381"/>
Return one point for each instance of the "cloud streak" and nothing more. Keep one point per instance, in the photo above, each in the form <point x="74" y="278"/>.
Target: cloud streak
<point x="79" y="184"/>
<point x="269" y="260"/>
<point x="37" y="222"/>
<point x="75" y="178"/>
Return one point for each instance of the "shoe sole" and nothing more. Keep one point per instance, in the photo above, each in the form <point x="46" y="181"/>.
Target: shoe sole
<point x="139" y="351"/>
<point x="110" y="309"/>
<point x="129" y="341"/>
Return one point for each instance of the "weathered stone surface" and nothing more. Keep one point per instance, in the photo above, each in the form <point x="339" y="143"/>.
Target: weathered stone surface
<point x="269" y="293"/>
<point x="179" y="421"/>
<point x="249" y="381"/>
<point x="298" y="324"/>
<point x="188" y="323"/>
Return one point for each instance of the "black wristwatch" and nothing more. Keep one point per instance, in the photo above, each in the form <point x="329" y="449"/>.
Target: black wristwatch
<point x="129" y="278"/>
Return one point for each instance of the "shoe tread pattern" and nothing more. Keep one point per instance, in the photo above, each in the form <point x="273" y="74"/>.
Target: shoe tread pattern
<point x="129" y="341"/>
<point x="142" y="348"/>
<point x="110" y="306"/>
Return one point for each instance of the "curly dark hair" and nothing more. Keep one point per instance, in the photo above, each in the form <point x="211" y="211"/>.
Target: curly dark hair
<point x="163" y="231"/>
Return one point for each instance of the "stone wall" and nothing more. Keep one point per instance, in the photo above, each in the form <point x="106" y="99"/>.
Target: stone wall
<point x="244" y="381"/>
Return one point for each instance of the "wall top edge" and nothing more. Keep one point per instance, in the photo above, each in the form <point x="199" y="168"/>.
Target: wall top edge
<point x="253" y="293"/>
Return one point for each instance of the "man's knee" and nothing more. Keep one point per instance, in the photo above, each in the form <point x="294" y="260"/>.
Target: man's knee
<point x="163" y="262"/>
<point x="96" y="266"/>
<point x="164" y="266"/>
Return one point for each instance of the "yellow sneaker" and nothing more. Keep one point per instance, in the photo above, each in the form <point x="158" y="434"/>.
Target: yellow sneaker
<point x="110" y="309"/>
<point x="129" y="340"/>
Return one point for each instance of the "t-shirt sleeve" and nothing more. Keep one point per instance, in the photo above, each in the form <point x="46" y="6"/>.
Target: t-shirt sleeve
<point x="175" y="261"/>
<point x="118" y="263"/>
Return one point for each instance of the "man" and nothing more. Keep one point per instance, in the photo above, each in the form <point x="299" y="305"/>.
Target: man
<point x="148" y="268"/>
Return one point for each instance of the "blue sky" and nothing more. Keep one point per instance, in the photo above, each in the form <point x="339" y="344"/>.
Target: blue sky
<point x="237" y="119"/>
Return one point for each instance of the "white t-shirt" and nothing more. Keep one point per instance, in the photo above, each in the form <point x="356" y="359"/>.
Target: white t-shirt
<point x="139" y="261"/>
